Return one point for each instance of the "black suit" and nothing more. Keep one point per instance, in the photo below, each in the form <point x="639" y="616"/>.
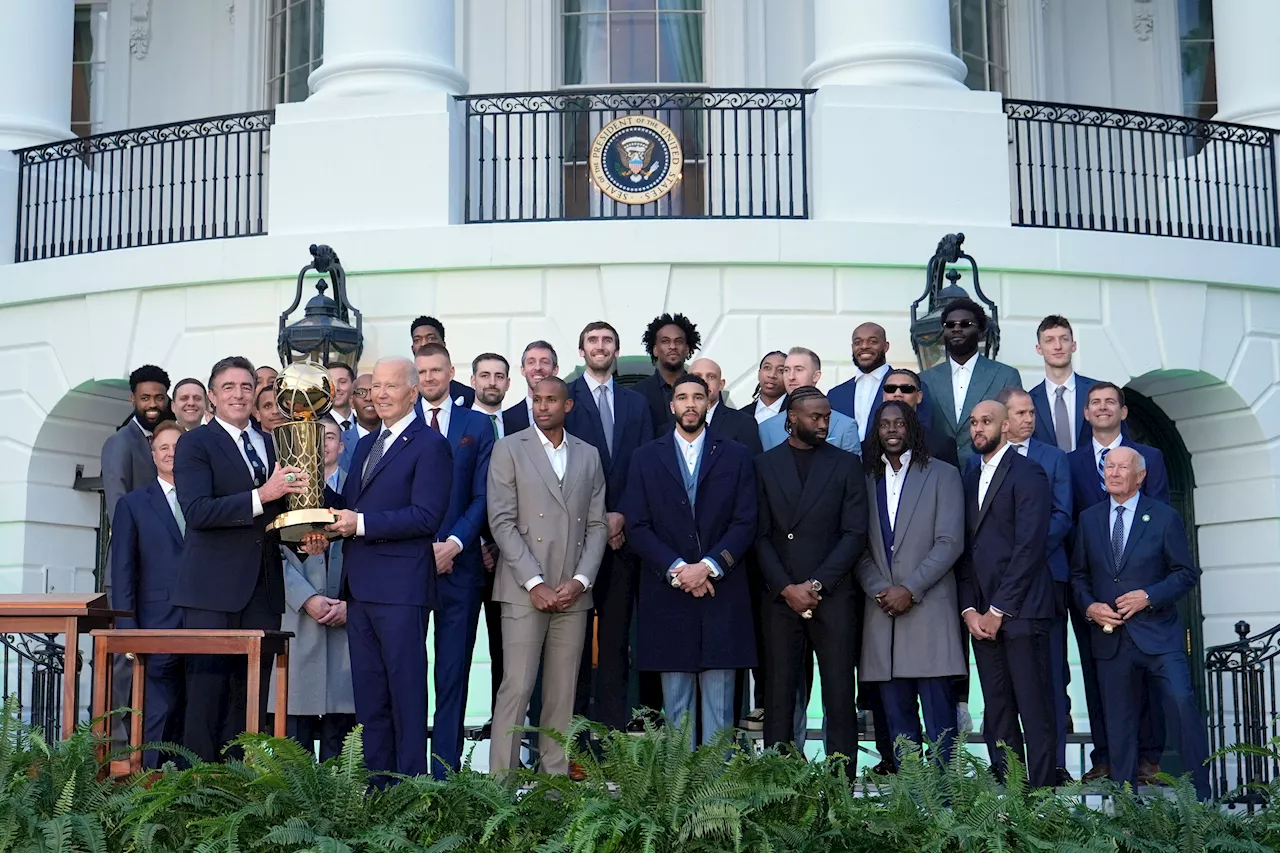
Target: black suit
<point x="516" y="418"/>
<point x="815" y="530"/>
<point x="230" y="576"/>
<point x="1006" y="568"/>
<point x="657" y="393"/>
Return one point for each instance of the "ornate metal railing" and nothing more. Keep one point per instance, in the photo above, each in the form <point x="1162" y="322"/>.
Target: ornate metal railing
<point x="33" y="673"/>
<point x="170" y="183"/>
<point x="1244" y="708"/>
<point x="529" y="156"/>
<point x="1142" y="173"/>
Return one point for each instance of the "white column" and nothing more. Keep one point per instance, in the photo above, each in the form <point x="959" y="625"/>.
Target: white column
<point x="1247" y="62"/>
<point x="387" y="47"/>
<point x="883" y="43"/>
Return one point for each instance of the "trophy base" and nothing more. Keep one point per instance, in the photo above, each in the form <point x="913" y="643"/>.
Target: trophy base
<point x="292" y="526"/>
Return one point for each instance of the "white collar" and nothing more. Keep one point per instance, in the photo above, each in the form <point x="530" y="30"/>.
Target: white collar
<point x="339" y="417"/>
<point x="878" y="374"/>
<point x="1130" y="505"/>
<point x="775" y="406"/>
<point x="711" y="411"/>
<point x="145" y="431"/>
<point x="546" y="442"/>
<point x="445" y="406"/>
<point x="695" y="445"/>
<point x="166" y="486"/>
<point x="594" y="386"/>
<point x="1051" y="387"/>
<point x="956" y="367"/>
<point x="1026" y="442"/>
<point x="400" y="425"/>
<point x="995" y="460"/>
<point x="1098" y="448"/>
<point x="234" y="431"/>
<point x="888" y="469"/>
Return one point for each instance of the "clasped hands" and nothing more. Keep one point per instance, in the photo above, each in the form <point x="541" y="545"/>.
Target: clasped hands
<point x="1126" y="606"/>
<point x="330" y="612"/>
<point x="895" y="601"/>
<point x="983" y="626"/>
<point x="694" y="579"/>
<point x="559" y="599"/>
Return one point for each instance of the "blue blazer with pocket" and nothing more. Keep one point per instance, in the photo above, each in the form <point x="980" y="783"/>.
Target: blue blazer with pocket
<point x="145" y="549"/>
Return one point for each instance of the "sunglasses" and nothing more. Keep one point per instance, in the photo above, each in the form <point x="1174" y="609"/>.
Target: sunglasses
<point x="901" y="389"/>
<point x="959" y="324"/>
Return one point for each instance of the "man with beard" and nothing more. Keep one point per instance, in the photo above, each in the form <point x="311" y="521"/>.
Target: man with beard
<point x="126" y="455"/>
<point x="669" y="341"/>
<point x="911" y="648"/>
<point x="860" y="397"/>
<point x="812" y="527"/>
<point x="190" y="403"/>
<point x="429" y="330"/>
<point x="965" y="378"/>
<point x="726" y="422"/>
<point x="904" y="386"/>
<point x="491" y="379"/>
<point x="803" y="367"/>
<point x="616" y="421"/>
<point x="771" y="394"/>
<point x="1006" y="596"/>
<point x="690" y="506"/>
<point x="538" y="361"/>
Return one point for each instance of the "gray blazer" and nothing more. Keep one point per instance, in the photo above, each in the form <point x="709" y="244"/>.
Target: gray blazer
<point x="989" y="379"/>
<point x="924" y="642"/>
<point x="126" y="464"/>
<point x="540" y="526"/>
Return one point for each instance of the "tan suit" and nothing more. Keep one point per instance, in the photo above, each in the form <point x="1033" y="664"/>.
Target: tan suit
<point x="556" y="530"/>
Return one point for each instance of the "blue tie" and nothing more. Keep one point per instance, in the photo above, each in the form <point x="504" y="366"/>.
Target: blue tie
<point x="255" y="461"/>
<point x="1117" y="537"/>
<point x="375" y="453"/>
<point x="1102" y="462"/>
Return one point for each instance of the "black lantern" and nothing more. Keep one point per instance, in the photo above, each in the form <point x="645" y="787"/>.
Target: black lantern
<point x="324" y="334"/>
<point x="926" y="330"/>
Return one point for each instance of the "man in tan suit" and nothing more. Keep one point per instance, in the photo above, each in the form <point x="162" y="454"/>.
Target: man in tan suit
<point x="546" y="494"/>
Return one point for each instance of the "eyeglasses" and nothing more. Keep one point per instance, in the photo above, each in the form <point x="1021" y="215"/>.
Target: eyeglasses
<point x="959" y="324"/>
<point x="360" y="393"/>
<point x="900" y="389"/>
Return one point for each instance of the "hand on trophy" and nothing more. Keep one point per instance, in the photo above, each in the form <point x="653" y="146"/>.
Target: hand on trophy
<point x="313" y="544"/>
<point x="346" y="523"/>
<point x="285" y="480"/>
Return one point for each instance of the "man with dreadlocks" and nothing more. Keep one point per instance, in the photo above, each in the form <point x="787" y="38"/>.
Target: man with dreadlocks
<point x="812" y="528"/>
<point x="669" y="341"/>
<point x="911" y="647"/>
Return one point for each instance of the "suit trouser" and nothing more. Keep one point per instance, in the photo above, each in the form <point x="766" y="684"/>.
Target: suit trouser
<point x="389" y="675"/>
<point x="614" y="594"/>
<point x="715" y="689"/>
<point x="530" y="636"/>
<point x="871" y="700"/>
<point x="1123" y="683"/>
<point x="756" y="588"/>
<point x="937" y="701"/>
<point x="493" y="627"/>
<point x="1152" y="735"/>
<point x="162" y="711"/>
<point x="216" y="685"/>
<point x="1017" y="687"/>
<point x="830" y="632"/>
<point x="457" y="619"/>
<point x="329" y="729"/>
<point x="1061" y="671"/>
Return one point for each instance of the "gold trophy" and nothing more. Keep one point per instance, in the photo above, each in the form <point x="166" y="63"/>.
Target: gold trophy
<point x="304" y="394"/>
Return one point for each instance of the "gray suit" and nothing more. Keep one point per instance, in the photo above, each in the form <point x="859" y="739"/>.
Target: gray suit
<point x="928" y="533"/>
<point x="988" y="379"/>
<point x="126" y="463"/>
<point x="541" y="527"/>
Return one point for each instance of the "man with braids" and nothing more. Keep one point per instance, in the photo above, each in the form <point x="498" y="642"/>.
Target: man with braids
<point x="911" y="648"/>
<point x="770" y="394"/>
<point x="669" y="341"/>
<point x="812" y="528"/>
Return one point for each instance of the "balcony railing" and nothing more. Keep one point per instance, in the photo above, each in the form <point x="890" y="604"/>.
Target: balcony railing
<point x="1244" y="709"/>
<point x="170" y="183"/>
<point x="1142" y="173"/>
<point x="528" y="156"/>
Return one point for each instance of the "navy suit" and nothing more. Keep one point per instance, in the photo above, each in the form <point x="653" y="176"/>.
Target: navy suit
<point x="1054" y="463"/>
<point x="465" y="392"/>
<point x="146" y="546"/>
<point x="1044" y="412"/>
<point x="516" y="418"/>
<point x="1087" y="491"/>
<point x="615" y="588"/>
<point x="459" y="592"/>
<point x="229" y="577"/>
<point x="1155" y="559"/>
<point x="1006" y="569"/>
<point x="842" y="397"/>
<point x="389" y="581"/>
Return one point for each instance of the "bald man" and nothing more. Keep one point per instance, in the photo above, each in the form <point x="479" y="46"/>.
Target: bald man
<point x="725" y="421"/>
<point x="860" y="396"/>
<point x="1007" y="597"/>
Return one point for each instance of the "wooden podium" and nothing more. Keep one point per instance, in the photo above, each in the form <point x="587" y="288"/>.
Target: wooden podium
<point x="70" y="615"/>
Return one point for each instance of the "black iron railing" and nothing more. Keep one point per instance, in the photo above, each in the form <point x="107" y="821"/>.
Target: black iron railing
<point x="1142" y="173"/>
<point x="169" y="183"/>
<point x="33" y="673"/>
<point x="528" y="156"/>
<point x="1243" y="709"/>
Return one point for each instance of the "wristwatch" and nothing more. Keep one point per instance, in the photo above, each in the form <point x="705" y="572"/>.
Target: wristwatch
<point x="816" y="585"/>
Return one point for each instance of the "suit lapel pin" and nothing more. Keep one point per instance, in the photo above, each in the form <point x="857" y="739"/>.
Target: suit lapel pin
<point x="1146" y="518"/>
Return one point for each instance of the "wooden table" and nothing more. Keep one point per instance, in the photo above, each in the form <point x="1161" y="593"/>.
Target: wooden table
<point x="140" y="643"/>
<point x="69" y="615"/>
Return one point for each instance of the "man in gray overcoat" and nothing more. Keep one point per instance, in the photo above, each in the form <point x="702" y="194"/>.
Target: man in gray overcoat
<point x="911" y="642"/>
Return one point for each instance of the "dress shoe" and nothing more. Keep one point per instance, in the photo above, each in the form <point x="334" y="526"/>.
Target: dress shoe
<point x="576" y="772"/>
<point x="753" y="722"/>
<point x="1062" y="776"/>
<point x="1147" y="773"/>
<point x="885" y="768"/>
<point x="1098" y="771"/>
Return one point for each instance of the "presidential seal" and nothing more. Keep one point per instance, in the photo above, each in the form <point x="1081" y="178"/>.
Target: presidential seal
<point x="636" y="159"/>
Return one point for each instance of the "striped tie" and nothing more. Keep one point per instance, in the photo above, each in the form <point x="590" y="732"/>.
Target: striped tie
<point x="1102" y="463"/>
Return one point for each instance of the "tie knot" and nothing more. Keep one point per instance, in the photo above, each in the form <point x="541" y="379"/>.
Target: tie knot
<point x="386" y="433"/>
<point x="1119" y="512"/>
<point x="1061" y="389"/>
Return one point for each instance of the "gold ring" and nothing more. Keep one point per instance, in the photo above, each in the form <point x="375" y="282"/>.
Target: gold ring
<point x="1108" y="629"/>
<point x="289" y="478"/>
<point x="675" y="581"/>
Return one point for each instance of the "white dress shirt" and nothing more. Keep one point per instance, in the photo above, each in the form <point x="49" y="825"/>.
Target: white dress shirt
<point x="361" y="432"/>
<point x="594" y="387"/>
<point x="349" y="417"/>
<point x="711" y="412"/>
<point x="494" y="417"/>
<point x="864" y="393"/>
<point x="397" y="429"/>
<point x="989" y="471"/>
<point x="1098" y="448"/>
<point x="559" y="459"/>
<point x="146" y="431"/>
<point x="691" y="450"/>
<point x="259" y="446"/>
<point x="1068" y="397"/>
<point x="1020" y="446"/>
<point x="442" y="418"/>
<point x="764" y="412"/>
<point x="961" y="376"/>
<point x="1130" y="509"/>
<point x="893" y="482"/>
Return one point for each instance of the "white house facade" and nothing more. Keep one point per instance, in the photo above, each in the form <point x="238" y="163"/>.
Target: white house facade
<point x="1110" y="160"/>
